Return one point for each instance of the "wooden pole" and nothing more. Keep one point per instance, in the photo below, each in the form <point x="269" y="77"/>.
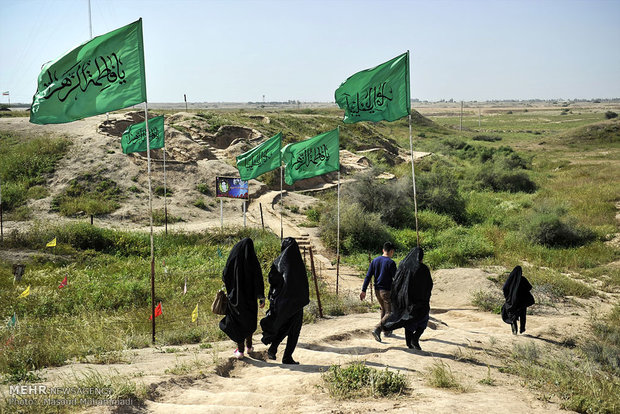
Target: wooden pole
<point x="244" y="222"/>
<point x="316" y="284"/>
<point x="222" y="213"/>
<point x="461" y="122"/>
<point x="262" y="222"/>
<point x="369" y="262"/>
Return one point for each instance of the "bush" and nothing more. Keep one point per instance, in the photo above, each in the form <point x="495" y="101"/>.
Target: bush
<point x="547" y="228"/>
<point x="498" y="179"/>
<point x="486" y="138"/>
<point x="204" y="189"/>
<point x="438" y="191"/>
<point x="159" y="191"/>
<point x="90" y="194"/>
<point x="487" y="300"/>
<point x="358" y="380"/>
<point x="610" y="115"/>
<point x="457" y="246"/>
<point x="391" y="199"/>
<point x="359" y="230"/>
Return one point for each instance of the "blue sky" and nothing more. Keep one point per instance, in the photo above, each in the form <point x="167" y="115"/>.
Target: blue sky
<point x="236" y="51"/>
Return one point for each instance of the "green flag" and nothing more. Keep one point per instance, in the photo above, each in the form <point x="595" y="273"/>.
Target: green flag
<point x="377" y="94"/>
<point x="101" y="75"/>
<point x="315" y="156"/>
<point x="12" y="321"/>
<point x="262" y="159"/>
<point x="134" y="137"/>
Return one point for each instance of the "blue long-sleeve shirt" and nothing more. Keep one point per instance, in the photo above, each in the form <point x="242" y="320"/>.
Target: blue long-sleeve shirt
<point x="383" y="268"/>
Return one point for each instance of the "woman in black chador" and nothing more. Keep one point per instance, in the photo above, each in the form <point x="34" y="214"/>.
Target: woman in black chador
<point x="411" y="296"/>
<point x="288" y="295"/>
<point x="244" y="286"/>
<point x="518" y="298"/>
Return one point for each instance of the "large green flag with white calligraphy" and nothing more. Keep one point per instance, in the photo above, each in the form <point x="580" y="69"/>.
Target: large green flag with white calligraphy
<point x="315" y="156"/>
<point x="134" y="137"/>
<point x="377" y="94"/>
<point x="262" y="159"/>
<point x="102" y="75"/>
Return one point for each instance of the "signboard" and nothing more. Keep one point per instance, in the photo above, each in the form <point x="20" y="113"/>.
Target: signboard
<point x="231" y="187"/>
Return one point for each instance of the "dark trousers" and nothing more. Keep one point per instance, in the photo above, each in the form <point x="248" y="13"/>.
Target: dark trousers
<point x="383" y="297"/>
<point x="521" y="318"/>
<point x="290" y="329"/>
<point x="248" y="343"/>
<point x="414" y="330"/>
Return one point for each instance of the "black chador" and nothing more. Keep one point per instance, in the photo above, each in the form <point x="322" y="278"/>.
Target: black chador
<point x="411" y="296"/>
<point x="288" y="294"/>
<point x="518" y="298"/>
<point x="244" y="285"/>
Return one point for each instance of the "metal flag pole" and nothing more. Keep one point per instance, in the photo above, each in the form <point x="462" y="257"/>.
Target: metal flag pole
<point x="281" y="195"/>
<point x="148" y="163"/>
<point x="165" y="189"/>
<point x="415" y="199"/>
<point x="1" y="211"/>
<point x="90" y="20"/>
<point x="338" y="238"/>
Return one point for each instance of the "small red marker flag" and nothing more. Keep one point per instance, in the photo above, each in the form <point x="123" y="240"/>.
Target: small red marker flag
<point x="63" y="283"/>
<point x="157" y="311"/>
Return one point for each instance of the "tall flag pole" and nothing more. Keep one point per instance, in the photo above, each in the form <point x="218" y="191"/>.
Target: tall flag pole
<point x="281" y="210"/>
<point x="148" y="163"/>
<point x="165" y="190"/>
<point x="415" y="198"/>
<point x="382" y="93"/>
<point x="338" y="230"/>
<point x="1" y="224"/>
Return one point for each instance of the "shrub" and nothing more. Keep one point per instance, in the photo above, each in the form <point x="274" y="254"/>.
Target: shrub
<point x="159" y="191"/>
<point x="547" y="228"/>
<point x="200" y="203"/>
<point x="359" y="230"/>
<point x="457" y="246"/>
<point x="440" y="375"/>
<point x="204" y="189"/>
<point x="429" y="220"/>
<point x="358" y="380"/>
<point x="90" y="193"/>
<point x="487" y="138"/>
<point x="487" y="300"/>
<point x="438" y="191"/>
<point x="610" y="115"/>
<point x="498" y="179"/>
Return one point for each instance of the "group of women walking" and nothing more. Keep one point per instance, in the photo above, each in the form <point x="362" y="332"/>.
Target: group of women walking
<point x="288" y="294"/>
<point x="408" y="294"/>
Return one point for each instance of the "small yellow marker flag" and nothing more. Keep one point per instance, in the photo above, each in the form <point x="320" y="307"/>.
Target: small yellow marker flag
<point x="195" y="314"/>
<point x="52" y="243"/>
<point x="25" y="292"/>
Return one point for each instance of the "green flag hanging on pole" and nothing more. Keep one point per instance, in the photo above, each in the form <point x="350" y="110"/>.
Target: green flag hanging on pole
<point x="134" y="137"/>
<point x="262" y="159"/>
<point x="315" y="156"/>
<point x="378" y="94"/>
<point x="102" y="75"/>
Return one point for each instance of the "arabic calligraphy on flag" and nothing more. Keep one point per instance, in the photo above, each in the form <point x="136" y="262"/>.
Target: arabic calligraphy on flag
<point x="261" y="159"/>
<point x="315" y="156"/>
<point x="101" y="75"/>
<point x="134" y="137"/>
<point x="381" y="93"/>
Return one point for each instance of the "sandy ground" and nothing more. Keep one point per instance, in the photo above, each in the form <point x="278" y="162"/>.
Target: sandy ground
<point x="196" y="380"/>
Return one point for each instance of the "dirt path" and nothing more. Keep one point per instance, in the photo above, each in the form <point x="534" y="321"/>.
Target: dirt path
<point x="472" y="343"/>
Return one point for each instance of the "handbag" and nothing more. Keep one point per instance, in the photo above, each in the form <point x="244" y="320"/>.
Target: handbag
<point x="220" y="303"/>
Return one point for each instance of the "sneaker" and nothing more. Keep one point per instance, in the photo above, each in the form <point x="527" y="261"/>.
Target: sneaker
<point x="387" y="334"/>
<point x="271" y="354"/>
<point x="415" y="345"/>
<point x="250" y="349"/>
<point x="289" y="361"/>
<point x="237" y="354"/>
<point x="377" y="334"/>
<point x="514" y="328"/>
<point x="521" y="330"/>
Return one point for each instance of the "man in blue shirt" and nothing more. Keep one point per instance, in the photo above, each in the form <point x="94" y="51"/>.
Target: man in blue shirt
<point x="383" y="269"/>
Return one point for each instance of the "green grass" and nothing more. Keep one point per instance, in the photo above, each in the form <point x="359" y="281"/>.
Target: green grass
<point x="358" y="380"/>
<point x="25" y="165"/>
<point x="106" y="306"/>
<point x="89" y="194"/>
<point x="439" y="375"/>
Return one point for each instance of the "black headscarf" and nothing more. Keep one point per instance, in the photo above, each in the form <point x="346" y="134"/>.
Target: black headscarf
<point x="289" y="291"/>
<point x="411" y="291"/>
<point x="244" y="285"/>
<point x="517" y="293"/>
